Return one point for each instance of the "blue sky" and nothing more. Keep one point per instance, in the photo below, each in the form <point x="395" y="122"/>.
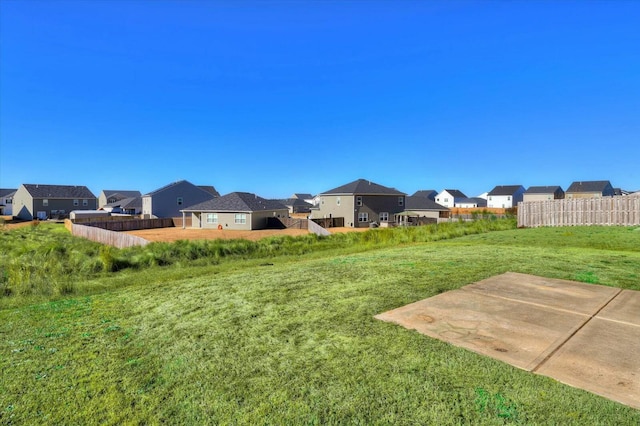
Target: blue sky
<point x="280" y="97"/>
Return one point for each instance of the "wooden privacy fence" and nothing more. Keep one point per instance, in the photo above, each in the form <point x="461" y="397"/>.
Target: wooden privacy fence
<point x="623" y="211"/>
<point x="131" y="225"/>
<point x="104" y="236"/>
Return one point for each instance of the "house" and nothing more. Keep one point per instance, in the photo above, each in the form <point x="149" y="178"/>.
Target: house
<point x="427" y="193"/>
<point x="129" y="206"/>
<point x="33" y="201"/>
<point x="543" y="193"/>
<point x="235" y="211"/>
<point x="296" y="205"/>
<point x="448" y="197"/>
<point x="471" y="203"/>
<point x="360" y="203"/>
<point x="505" y="196"/>
<point x="590" y="189"/>
<point x="171" y="199"/>
<point x="420" y="210"/>
<point x="108" y="196"/>
<point x="6" y="201"/>
<point x="308" y="198"/>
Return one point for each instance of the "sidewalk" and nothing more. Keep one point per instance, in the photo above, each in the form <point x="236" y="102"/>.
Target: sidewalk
<point x="584" y="335"/>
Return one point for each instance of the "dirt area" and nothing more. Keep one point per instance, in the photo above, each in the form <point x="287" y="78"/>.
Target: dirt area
<point x="174" y="234"/>
<point x="9" y="224"/>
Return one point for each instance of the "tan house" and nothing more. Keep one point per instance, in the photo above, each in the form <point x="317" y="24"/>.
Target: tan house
<point x="590" y="189"/>
<point x="420" y="210"/>
<point x="235" y="211"/>
<point x="360" y="203"/>
<point x="35" y="201"/>
<point x="543" y="193"/>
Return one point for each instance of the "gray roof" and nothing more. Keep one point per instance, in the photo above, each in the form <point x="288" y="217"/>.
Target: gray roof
<point x="422" y="203"/>
<point x="127" y="203"/>
<point x="505" y="189"/>
<point x="589" y="186"/>
<point x="236" y="202"/>
<point x="456" y="193"/>
<point x="427" y="193"/>
<point x="121" y="193"/>
<point x="543" y="189"/>
<point x="363" y="187"/>
<point x="5" y="192"/>
<point x="210" y="189"/>
<point x="58" y="191"/>
<point x="302" y="196"/>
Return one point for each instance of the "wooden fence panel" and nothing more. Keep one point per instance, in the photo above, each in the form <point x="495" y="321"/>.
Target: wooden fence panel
<point x="621" y="211"/>
<point x="104" y="236"/>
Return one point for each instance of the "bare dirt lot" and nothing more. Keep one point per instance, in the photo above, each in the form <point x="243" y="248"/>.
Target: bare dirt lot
<point x="174" y="234"/>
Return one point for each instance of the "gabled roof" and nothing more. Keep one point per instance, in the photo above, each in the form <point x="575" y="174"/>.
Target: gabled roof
<point x="127" y="203"/>
<point x="422" y="203"/>
<point x="543" y="189"/>
<point x="210" y="189"/>
<point x="505" y="190"/>
<point x="363" y="187"/>
<point x="121" y="193"/>
<point x="236" y="202"/>
<point x="456" y="193"/>
<point x="302" y="196"/>
<point x="589" y="186"/>
<point x="426" y="193"/>
<point x="58" y="191"/>
<point x="175" y="184"/>
<point x="5" y="192"/>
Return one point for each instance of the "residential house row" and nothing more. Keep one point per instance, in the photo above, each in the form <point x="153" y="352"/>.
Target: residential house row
<point x="360" y="203"/>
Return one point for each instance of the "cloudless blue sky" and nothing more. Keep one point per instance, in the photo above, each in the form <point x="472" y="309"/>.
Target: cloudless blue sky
<point x="276" y="97"/>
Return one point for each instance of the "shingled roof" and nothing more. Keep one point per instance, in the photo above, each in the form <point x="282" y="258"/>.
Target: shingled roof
<point x="542" y="189"/>
<point x="4" y="192"/>
<point x="121" y="194"/>
<point x="58" y="191"/>
<point x="505" y="190"/>
<point x="456" y="193"/>
<point x="236" y="202"/>
<point x="416" y="202"/>
<point x="589" y="186"/>
<point x="363" y="187"/>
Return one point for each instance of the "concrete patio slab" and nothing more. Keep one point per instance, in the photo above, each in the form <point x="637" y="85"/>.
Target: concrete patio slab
<point x="583" y="335"/>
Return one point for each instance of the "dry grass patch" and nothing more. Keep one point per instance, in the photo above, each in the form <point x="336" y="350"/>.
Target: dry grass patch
<point x="175" y="234"/>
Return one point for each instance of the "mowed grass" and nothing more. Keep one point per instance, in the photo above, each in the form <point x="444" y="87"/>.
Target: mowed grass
<point x="293" y="340"/>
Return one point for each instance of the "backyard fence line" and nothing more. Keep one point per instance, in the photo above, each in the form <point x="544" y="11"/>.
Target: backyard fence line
<point x="620" y="211"/>
<point x="317" y="229"/>
<point x="131" y="225"/>
<point x="104" y="236"/>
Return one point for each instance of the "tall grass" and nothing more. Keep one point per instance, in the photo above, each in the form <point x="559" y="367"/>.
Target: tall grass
<point x="45" y="260"/>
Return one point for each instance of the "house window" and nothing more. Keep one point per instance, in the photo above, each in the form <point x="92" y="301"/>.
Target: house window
<point x="212" y="217"/>
<point x="9" y="200"/>
<point x="240" y="219"/>
<point x="85" y="202"/>
<point x="401" y="201"/>
<point x="179" y="201"/>
<point x="446" y="200"/>
<point x="384" y="217"/>
<point x="509" y="198"/>
<point x="76" y="202"/>
<point x="358" y="201"/>
<point x="363" y="217"/>
<point x="45" y="202"/>
<point x="337" y="201"/>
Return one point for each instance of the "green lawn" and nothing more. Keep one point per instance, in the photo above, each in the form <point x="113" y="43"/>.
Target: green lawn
<point x="292" y="340"/>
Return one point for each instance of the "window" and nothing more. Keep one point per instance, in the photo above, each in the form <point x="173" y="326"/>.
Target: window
<point x="363" y="217"/>
<point x="509" y="198"/>
<point x="358" y="201"/>
<point x="85" y="203"/>
<point x="9" y="200"/>
<point x="45" y="202"/>
<point x="76" y="202"/>
<point x="179" y="201"/>
<point x="401" y="201"/>
<point x="337" y="201"/>
<point x="212" y="217"/>
<point x="446" y="200"/>
<point x="384" y="217"/>
<point x="240" y="219"/>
